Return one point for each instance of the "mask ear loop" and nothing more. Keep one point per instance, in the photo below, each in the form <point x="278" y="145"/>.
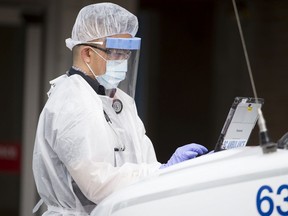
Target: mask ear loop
<point x="98" y="54"/>
<point x="91" y="70"/>
<point x="89" y="65"/>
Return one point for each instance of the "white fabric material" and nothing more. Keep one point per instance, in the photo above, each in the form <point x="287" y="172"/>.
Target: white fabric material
<point x="74" y="142"/>
<point x="101" y="20"/>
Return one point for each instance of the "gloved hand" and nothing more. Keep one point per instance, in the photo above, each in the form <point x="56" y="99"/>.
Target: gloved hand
<point x="185" y="152"/>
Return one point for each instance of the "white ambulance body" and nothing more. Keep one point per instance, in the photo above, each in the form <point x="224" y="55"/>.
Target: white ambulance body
<point x="238" y="182"/>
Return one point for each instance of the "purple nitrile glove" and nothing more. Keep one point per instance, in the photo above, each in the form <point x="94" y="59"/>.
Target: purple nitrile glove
<point x="184" y="153"/>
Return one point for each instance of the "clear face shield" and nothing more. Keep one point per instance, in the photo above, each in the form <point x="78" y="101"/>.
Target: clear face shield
<point x="122" y="57"/>
<point x="128" y="85"/>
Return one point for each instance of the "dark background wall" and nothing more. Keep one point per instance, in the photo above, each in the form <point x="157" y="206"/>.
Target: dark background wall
<point x="195" y="66"/>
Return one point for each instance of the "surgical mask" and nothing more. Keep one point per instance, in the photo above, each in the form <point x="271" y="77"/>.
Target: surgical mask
<point x="115" y="72"/>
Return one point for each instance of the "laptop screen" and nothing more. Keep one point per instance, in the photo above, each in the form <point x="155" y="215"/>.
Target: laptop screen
<point x="239" y="123"/>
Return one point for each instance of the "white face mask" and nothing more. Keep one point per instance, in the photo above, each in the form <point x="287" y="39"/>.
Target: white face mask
<point x="115" y="72"/>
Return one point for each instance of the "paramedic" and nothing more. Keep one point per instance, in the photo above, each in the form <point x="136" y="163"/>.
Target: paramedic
<point x="90" y="140"/>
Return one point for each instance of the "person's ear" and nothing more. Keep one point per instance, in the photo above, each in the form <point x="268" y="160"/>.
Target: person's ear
<point x="85" y="54"/>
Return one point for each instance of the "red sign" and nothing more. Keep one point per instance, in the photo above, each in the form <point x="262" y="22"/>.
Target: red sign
<point x="9" y="157"/>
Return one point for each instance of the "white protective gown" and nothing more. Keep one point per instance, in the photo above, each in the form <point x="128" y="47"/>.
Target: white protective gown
<point x="74" y="163"/>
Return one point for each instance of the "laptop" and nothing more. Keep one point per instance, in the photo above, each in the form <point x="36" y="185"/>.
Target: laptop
<point x="239" y="123"/>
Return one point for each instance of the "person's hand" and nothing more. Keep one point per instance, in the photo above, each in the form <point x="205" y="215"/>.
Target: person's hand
<point x="184" y="153"/>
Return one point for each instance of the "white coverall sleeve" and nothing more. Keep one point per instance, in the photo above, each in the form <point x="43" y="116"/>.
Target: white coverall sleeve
<point x="83" y="144"/>
<point x="148" y="151"/>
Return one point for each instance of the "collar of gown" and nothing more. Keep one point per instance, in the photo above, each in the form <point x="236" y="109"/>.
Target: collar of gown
<point x="99" y="89"/>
